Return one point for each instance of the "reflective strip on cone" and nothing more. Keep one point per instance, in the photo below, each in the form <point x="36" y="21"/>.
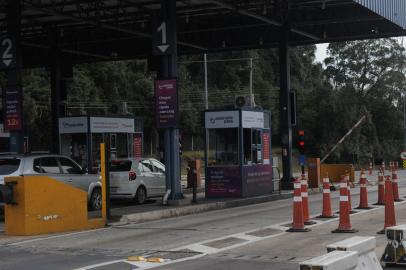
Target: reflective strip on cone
<point x="326" y="190"/>
<point x="326" y="180"/>
<point x="343" y="198"/>
<point x="297" y="185"/>
<point x="343" y="185"/>
<point x="304" y="194"/>
<point x="297" y="199"/>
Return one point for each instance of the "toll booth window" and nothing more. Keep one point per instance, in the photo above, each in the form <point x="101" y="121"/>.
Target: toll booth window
<point x="247" y="146"/>
<point x="223" y="147"/>
<point x="69" y="167"/>
<point x="122" y="145"/>
<point x="257" y="146"/>
<point x="8" y="166"/>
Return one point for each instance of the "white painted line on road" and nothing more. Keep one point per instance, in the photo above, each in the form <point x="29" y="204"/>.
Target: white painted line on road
<point x="56" y="236"/>
<point x="99" y="265"/>
<point x="200" y="248"/>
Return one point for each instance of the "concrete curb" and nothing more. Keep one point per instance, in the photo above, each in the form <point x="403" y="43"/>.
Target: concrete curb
<point x="198" y="208"/>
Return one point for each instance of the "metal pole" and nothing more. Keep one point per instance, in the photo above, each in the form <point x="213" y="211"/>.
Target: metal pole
<point x="206" y="95"/>
<point x="404" y="118"/>
<point x="285" y="111"/>
<point x="251" y="79"/>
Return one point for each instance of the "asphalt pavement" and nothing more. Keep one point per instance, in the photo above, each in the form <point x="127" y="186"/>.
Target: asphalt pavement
<point x="248" y="237"/>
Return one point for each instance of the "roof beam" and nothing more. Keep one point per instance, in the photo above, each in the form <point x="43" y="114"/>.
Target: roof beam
<point x="261" y="18"/>
<point x="102" y="25"/>
<point x="77" y="52"/>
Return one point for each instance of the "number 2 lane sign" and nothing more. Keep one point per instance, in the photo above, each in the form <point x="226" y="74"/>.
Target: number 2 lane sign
<point x="7" y="53"/>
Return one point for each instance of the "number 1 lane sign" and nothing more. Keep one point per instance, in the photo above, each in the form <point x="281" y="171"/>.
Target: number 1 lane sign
<point x="163" y="42"/>
<point x="7" y="53"/>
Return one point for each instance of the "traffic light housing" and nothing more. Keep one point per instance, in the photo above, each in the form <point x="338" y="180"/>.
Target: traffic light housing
<point x="301" y="143"/>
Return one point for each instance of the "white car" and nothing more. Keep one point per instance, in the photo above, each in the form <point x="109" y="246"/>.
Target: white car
<point x="58" y="167"/>
<point x="137" y="178"/>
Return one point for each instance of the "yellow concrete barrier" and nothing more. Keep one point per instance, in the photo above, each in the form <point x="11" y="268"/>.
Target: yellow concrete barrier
<point x="45" y="205"/>
<point x="336" y="170"/>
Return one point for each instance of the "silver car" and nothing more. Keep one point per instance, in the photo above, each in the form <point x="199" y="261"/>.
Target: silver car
<point x="58" y="167"/>
<point x="137" y="178"/>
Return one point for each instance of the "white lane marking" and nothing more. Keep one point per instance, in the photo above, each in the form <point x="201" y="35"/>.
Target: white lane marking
<point x="99" y="265"/>
<point x="56" y="236"/>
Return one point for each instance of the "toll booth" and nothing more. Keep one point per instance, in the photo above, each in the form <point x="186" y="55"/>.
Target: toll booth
<point x="238" y="157"/>
<point x="80" y="138"/>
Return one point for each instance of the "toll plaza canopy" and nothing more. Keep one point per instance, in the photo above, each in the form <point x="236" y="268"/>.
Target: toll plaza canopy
<point x="62" y="33"/>
<point x="96" y="30"/>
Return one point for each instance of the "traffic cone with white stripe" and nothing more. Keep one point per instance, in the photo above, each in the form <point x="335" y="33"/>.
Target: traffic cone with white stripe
<point x="390" y="218"/>
<point x="395" y="187"/>
<point x="305" y="202"/>
<point x="298" y="222"/>
<point x="381" y="189"/>
<point x="383" y="167"/>
<point x="326" y="213"/>
<point x="344" y="225"/>
<point x="347" y="178"/>
<point x="363" y="199"/>
<point x="370" y="168"/>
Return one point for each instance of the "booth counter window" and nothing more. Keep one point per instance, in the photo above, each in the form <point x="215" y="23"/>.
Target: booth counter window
<point x="223" y="147"/>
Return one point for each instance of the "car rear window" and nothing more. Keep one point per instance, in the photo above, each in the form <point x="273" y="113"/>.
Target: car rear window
<point x="120" y="166"/>
<point x="8" y="166"/>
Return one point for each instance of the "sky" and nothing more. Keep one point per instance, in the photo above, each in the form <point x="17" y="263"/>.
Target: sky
<point x="321" y="52"/>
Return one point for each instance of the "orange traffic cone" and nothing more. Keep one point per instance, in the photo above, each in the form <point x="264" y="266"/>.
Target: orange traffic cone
<point x="395" y="187"/>
<point x="363" y="199"/>
<point x="326" y="213"/>
<point x="390" y="218"/>
<point x="305" y="202"/>
<point x="344" y="225"/>
<point x="298" y="222"/>
<point x="347" y="178"/>
<point x="370" y="168"/>
<point x="381" y="189"/>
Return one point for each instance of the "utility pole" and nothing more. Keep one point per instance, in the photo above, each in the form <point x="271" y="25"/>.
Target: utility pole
<point x="251" y="72"/>
<point x="206" y="95"/>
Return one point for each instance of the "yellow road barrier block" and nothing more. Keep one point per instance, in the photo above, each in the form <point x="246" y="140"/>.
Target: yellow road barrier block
<point x="45" y="205"/>
<point x="155" y="260"/>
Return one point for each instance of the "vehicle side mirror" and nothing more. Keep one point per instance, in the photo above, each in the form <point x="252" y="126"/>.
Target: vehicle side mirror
<point x="84" y="170"/>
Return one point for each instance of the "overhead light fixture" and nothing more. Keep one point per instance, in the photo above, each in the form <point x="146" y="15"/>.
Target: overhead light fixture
<point x="223" y="44"/>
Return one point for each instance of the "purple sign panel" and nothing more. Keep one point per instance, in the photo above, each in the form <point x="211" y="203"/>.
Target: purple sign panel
<point x="223" y="182"/>
<point x="258" y="179"/>
<point x="12" y="105"/>
<point x="166" y="103"/>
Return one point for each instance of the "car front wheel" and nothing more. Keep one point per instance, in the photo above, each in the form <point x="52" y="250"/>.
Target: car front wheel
<point x="96" y="200"/>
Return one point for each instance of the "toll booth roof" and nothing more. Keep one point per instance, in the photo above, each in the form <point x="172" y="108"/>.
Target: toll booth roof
<point x="88" y="31"/>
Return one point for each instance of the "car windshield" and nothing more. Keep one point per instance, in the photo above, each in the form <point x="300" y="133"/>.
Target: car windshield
<point x="8" y="166"/>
